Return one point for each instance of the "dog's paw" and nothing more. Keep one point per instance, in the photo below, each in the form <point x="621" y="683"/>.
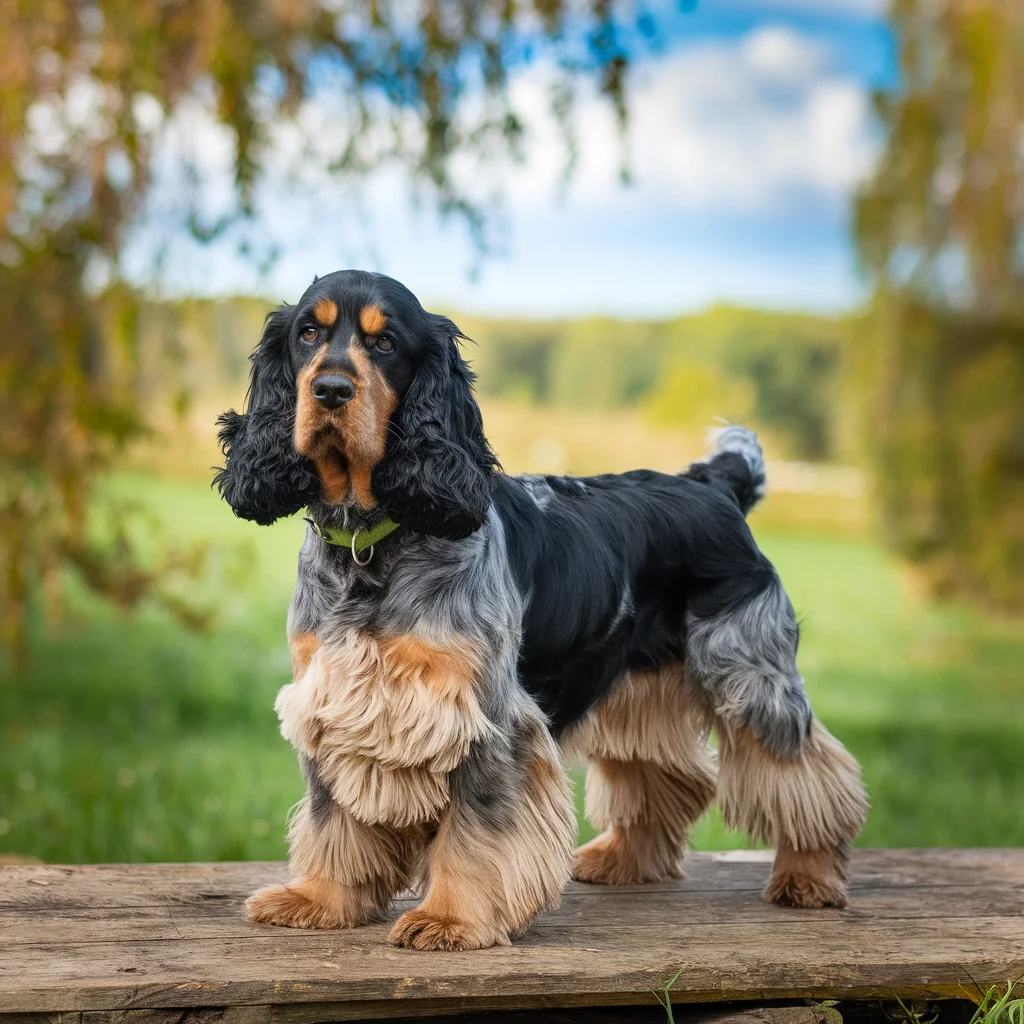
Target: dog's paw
<point x="304" y="903"/>
<point x="611" y="859"/>
<point x="792" y="890"/>
<point x="813" y="880"/>
<point x="419" y="929"/>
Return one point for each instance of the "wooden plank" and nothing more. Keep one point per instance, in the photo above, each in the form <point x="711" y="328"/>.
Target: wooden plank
<point x="133" y="939"/>
<point x="104" y="885"/>
<point x="589" y="1015"/>
<point x="731" y="963"/>
<point x="656" y="910"/>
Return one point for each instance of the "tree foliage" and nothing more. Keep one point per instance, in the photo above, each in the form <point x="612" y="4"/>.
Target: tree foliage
<point x="85" y="90"/>
<point x="777" y="370"/>
<point x="940" y="229"/>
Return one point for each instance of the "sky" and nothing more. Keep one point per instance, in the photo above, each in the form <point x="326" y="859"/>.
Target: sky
<point x="750" y="128"/>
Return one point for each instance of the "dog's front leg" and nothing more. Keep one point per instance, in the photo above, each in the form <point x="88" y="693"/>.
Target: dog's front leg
<point x="345" y="871"/>
<point x="502" y="850"/>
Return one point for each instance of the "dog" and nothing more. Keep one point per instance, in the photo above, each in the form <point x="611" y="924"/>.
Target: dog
<point x="458" y="635"/>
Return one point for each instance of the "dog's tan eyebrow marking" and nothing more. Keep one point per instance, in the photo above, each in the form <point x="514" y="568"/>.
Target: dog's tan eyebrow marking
<point x="372" y="320"/>
<point x="326" y="312"/>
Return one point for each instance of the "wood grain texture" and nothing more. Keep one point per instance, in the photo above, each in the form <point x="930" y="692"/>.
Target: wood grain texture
<point x="424" y="1008"/>
<point x="168" y="944"/>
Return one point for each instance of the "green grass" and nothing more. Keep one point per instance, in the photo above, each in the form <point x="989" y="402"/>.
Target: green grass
<point x="1000" y="1005"/>
<point x="128" y="738"/>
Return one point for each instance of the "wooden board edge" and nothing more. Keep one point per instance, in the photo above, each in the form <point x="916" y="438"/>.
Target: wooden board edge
<point x="970" y="988"/>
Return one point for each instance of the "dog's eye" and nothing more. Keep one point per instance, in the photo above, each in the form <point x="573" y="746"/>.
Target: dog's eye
<point x="383" y="343"/>
<point x="310" y="334"/>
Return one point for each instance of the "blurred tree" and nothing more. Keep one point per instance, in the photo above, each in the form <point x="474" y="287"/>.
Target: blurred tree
<point x="787" y="362"/>
<point x="940" y="229"/>
<point x="85" y="91"/>
<point x="699" y="395"/>
<point x="600" y="363"/>
<point x="792" y="362"/>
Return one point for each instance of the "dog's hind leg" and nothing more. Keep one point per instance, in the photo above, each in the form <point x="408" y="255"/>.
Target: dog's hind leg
<point x="782" y="777"/>
<point x="502" y="849"/>
<point x="808" y="804"/>
<point x="650" y="776"/>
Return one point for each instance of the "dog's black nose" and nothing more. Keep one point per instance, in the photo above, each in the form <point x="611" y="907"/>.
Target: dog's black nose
<point x="332" y="390"/>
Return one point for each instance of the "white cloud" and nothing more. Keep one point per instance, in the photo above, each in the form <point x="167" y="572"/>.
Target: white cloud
<point x="776" y="52"/>
<point x="748" y="130"/>
<point x="740" y="125"/>
<point x="745" y="124"/>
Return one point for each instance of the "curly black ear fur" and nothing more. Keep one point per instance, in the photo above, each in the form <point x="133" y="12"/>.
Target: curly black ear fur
<point x="264" y="478"/>
<point x="436" y="476"/>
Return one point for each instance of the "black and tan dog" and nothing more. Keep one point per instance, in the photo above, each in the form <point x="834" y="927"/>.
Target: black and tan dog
<point x="457" y="632"/>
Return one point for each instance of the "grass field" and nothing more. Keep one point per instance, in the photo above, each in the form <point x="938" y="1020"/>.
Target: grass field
<point x="128" y="738"/>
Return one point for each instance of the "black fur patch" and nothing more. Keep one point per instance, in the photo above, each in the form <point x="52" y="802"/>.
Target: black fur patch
<point x="438" y="472"/>
<point x="320" y="799"/>
<point x="612" y="565"/>
<point x="492" y="779"/>
<point x="264" y="477"/>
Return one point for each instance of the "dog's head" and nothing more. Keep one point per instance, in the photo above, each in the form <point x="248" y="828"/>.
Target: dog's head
<point x="359" y="397"/>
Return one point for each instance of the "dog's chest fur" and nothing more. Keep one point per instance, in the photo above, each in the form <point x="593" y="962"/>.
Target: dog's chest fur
<point x="390" y="695"/>
<point x="385" y="722"/>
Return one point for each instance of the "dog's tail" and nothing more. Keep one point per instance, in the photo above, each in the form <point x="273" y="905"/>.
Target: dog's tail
<point x="736" y="468"/>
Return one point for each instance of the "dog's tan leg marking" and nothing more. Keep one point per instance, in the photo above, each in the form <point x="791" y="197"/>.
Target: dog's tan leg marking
<point x="486" y="883"/>
<point x="386" y="720"/>
<point x="809" y="806"/>
<point x="446" y="671"/>
<point x="397" y="796"/>
<point x="316" y="903"/>
<point x="647" y="812"/>
<point x="380" y="723"/>
<point x="450" y="918"/>
<point x="345" y="872"/>
<point x="651" y="775"/>
<point x="400" y="701"/>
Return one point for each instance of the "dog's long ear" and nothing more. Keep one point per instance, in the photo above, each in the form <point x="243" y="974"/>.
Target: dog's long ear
<point x="264" y="477"/>
<point x="437" y="472"/>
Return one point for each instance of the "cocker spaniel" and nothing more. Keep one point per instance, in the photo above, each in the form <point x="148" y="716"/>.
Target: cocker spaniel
<point x="458" y="634"/>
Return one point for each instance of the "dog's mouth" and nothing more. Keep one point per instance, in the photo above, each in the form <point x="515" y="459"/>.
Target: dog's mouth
<point x="332" y="449"/>
<point x="326" y="450"/>
<point x="327" y="435"/>
<point x="333" y="456"/>
<point x="344" y="476"/>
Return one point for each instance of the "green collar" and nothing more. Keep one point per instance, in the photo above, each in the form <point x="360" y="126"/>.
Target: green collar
<point x="358" y="541"/>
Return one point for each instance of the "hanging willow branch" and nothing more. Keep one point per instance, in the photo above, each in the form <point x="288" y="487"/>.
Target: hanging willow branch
<point x="85" y="93"/>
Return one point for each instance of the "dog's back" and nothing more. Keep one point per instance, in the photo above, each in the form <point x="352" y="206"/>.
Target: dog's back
<point x="608" y="566"/>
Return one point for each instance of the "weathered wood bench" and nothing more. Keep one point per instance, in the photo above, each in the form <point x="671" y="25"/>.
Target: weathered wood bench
<point x="156" y="944"/>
